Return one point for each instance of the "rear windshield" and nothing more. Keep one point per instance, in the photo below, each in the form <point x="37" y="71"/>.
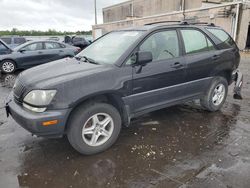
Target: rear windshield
<point x="19" y="40"/>
<point x="6" y="40"/>
<point x="226" y="39"/>
<point x="77" y="39"/>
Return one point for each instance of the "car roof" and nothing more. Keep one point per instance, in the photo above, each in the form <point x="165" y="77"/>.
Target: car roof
<point x="10" y="36"/>
<point x="35" y="41"/>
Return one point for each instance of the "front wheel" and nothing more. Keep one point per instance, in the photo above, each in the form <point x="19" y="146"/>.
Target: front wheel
<point x="93" y="128"/>
<point x="8" y="66"/>
<point x="216" y="95"/>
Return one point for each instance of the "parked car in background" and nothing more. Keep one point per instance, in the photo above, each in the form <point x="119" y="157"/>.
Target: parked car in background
<point x="80" y="42"/>
<point x="13" y="41"/>
<point x="77" y="41"/>
<point x="4" y="49"/>
<point x="35" y="53"/>
<point x="123" y="75"/>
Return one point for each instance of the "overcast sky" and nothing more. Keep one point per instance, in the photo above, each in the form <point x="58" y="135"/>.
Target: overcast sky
<point x="61" y="15"/>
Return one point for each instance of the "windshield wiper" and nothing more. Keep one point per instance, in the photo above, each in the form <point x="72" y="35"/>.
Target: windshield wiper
<point x="86" y="59"/>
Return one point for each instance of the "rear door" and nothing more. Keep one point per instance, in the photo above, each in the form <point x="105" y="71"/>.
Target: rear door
<point x="53" y="51"/>
<point x="201" y="55"/>
<point x="161" y="81"/>
<point x="228" y="49"/>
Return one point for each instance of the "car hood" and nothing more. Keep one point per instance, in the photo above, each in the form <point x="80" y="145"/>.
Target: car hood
<point x="8" y="47"/>
<point x="60" y="71"/>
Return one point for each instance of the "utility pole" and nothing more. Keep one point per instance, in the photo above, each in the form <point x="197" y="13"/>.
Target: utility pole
<point x="95" y="13"/>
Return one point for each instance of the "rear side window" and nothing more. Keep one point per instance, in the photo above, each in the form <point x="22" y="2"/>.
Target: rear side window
<point x="52" y="45"/>
<point x="226" y="40"/>
<point x="19" y="40"/>
<point x="195" y="41"/>
<point x="6" y="40"/>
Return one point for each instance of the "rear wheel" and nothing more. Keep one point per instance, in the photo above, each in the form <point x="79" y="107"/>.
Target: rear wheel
<point x="93" y="128"/>
<point x="216" y="95"/>
<point x="8" y="66"/>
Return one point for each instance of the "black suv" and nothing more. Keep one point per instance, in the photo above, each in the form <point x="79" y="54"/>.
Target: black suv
<point x="122" y="75"/>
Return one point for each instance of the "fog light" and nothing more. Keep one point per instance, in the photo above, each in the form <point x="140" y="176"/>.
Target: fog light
<point x="48" y="123"/>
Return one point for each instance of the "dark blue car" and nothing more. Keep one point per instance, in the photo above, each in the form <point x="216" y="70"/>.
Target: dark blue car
<point x="34" y="53"/>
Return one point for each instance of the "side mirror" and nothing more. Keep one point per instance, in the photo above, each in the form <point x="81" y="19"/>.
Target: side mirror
<point x="22" y="50"/>
<point x="143" y="57"/>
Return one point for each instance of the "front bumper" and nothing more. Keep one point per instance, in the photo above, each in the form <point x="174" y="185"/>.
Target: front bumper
<point x="33" y="122"/>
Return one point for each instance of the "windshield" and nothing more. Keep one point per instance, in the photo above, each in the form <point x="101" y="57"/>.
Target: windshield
<point x="108" y="49"/>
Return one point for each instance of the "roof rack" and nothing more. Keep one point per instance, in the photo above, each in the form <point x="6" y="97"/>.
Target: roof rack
<point x="202" y="23"/>
<point x="182" y="23"/>
<point x="161" y="22"/>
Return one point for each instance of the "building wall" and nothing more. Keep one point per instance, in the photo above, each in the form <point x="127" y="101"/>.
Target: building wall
<point x="223" y="16"/>
<point x="117" y="12"/>
<point x="143" y="8"/>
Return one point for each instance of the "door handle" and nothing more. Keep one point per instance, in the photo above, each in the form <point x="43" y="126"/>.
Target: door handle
<point x="215" y="57"/>
<point x="60" y="50"/>
<point x="40" y="52"/>
<point x="177" y="65"/>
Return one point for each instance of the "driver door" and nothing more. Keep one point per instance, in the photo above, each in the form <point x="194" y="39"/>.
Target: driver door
<point x="159" y="82"/>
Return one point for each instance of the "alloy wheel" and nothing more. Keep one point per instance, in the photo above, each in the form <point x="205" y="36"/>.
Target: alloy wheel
<point x="98" y="129"/>
<point x="219" y="94"/>
<point x="8" y="67"/>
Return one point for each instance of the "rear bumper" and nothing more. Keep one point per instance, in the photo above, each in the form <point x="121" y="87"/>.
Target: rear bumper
<point x="33" y="122"/>
<point x="237" y="76"/>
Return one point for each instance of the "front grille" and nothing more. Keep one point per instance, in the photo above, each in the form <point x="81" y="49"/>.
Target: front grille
<point x="19" y="90"/>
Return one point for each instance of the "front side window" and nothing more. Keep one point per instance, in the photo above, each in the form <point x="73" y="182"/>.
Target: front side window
<point x="195" y="41"/>
<point x="109" y="48"/>
<point x="52" y="45"/>
<point x="34" y="47"/>
<point x="162" y="45"/>
<point x="226" y="40"/>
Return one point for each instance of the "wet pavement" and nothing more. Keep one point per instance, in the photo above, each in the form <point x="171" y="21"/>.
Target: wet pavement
<point x="182" y="146"/>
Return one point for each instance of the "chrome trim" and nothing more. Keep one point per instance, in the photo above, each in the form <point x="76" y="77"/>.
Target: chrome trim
<point x="160" y="89"/>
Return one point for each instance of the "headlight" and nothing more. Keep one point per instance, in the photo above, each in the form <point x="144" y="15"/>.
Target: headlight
<point x="39" y="97"/>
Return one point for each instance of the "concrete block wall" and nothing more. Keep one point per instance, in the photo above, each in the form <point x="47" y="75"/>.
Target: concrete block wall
<point x="143" y="8"/>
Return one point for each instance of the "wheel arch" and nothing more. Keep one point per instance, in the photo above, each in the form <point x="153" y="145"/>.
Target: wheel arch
<point x="227" y="74"/>
<point x="111" y="98"/>
<point x="9" y="59"/>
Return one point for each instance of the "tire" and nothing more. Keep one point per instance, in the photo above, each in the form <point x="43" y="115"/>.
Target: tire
<point x="82" y="121"/>
<point x="8" y="66"/>
<point x="216" y="95"/>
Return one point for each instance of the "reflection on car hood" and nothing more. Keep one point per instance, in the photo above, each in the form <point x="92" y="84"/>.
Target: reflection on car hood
<point x="59" y="71"/>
